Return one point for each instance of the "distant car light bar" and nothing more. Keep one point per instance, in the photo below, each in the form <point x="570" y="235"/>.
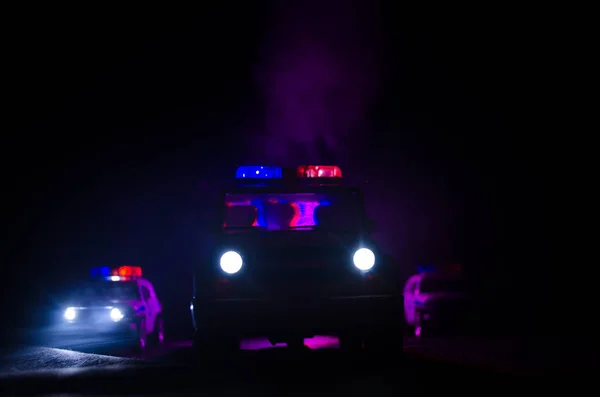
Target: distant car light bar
<point x="319" y="171"/>
<point x="258" y="172"/>
<point x="439" y="269"/>
<point x="116" y="274"/>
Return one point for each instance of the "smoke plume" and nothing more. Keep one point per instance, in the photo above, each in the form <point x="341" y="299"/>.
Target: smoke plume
<point x="320" y="76"/>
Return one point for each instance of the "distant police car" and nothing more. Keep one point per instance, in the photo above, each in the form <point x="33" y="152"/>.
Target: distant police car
<point x="435" y="299"/>
<point x="293" y="258"/>
<point x="118" y="302"/>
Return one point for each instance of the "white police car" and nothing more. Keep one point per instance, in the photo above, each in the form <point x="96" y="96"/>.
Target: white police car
<point x="292" y="258"/>
<point x="435" y="299"/>
<point x="117" y="302"/>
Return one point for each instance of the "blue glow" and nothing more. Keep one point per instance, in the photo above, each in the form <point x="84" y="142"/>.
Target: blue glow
<point x="103" y="271"/>
<point x="426" y="269"/>
<point x="260" y="212"/>
<point x="258" y="172"/>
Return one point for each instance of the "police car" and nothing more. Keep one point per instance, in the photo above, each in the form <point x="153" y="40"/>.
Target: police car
<point x="293" y="258"/>
<point x="118" y="302"/>
<point x="435" y="299"/>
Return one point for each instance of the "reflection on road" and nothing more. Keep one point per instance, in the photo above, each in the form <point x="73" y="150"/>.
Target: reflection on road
<point x="501" y="353"/>
<point x="67" y="353"/>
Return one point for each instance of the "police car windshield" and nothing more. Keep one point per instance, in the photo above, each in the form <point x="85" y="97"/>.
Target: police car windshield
<point x="121" y="290"/>
<point x="334" y="211"/>
<point x="432" y="285"/>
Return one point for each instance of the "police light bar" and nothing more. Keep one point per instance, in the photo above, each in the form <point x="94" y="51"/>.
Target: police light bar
<point x="319" y="171"/>
<point x="129" y="271"/>
<point x="103" y="271"/>
<point x="258" y="172"/>
<point x="441" y="269"/>
<point x="120" y="273"/>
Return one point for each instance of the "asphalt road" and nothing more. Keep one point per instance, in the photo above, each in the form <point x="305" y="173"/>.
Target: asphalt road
<point x="96" y="364"/>
<point x="319" y="369"/>
<point x="264" y="372"/>
<point x="49" y="348"/>
<point x="54" y="352"/>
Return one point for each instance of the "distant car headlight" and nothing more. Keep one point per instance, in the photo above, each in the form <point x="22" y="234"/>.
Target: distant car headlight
<point x="231" y="262"/>
<point x="70" y="313"/>
<point x="116" y="314"/>
<point x="364" y="259"/>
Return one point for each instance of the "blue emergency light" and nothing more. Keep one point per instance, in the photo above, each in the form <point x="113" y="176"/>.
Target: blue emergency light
<point x="258" y="172"/>
<point x="426" y="269"/>
<point x="103" y="272"/>
<point x="439" y="269"/>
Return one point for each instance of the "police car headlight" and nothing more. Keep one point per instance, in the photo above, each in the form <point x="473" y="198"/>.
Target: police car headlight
<point x="116" y="314"/>
<point x="231" y="262"/>
<point x="70" y="313"/>
<point x="364" y="259"/>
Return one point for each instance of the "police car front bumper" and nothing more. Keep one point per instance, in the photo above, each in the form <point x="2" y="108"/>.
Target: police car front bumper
<point x="123" y="328"/>
<point x="308" y="316"/>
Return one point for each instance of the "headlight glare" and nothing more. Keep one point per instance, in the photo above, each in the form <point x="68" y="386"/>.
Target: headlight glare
<point x="116" y="314"/>
<point x="231" y="262"/>
<point x="70" y="313"/>
<point x="364" y="259"/>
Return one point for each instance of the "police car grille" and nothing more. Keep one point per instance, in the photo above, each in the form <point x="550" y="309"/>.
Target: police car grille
<point x="294" y="287"/>
<point x="297" y="271"/>
<point x="297" y="258"/>
<point x="93" y="315"/>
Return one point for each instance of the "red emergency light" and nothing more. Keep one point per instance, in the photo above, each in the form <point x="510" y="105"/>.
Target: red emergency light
<point x="319" y="171"/>
<point x="128" y="271"/>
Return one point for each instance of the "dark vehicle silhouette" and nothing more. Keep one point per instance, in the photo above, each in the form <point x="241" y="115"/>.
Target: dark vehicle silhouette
<point x="293" y="258"/>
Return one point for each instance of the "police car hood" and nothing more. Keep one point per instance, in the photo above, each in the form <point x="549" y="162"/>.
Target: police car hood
<point x="292" y="246"/>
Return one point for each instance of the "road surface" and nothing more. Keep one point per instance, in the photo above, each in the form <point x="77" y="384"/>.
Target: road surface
<point x="275" y="371"/>
<point x="53" y="351"/>
<point x="100" y="365"/>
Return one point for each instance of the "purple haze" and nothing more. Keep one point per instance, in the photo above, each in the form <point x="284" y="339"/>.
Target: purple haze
<point x="320" y="77"/>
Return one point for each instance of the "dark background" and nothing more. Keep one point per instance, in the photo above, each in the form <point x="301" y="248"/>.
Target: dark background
<point x="120" y="126"/>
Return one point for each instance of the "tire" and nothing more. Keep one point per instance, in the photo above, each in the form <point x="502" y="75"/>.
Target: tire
<point x="158" y="334"/>
<point x="424" y="329"/>
<point x="141" y="342"/>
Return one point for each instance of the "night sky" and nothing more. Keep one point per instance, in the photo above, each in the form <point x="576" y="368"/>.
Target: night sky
<point x="120" y="129"/>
